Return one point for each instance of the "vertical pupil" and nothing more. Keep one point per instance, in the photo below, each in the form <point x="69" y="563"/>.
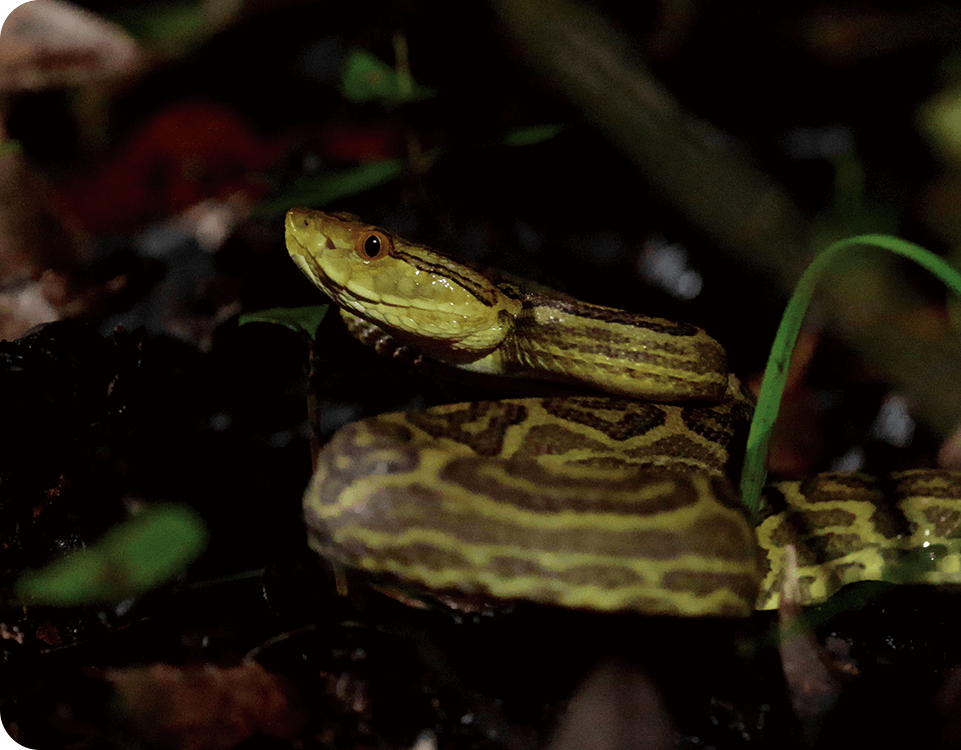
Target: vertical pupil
<point x="372" y="246"/>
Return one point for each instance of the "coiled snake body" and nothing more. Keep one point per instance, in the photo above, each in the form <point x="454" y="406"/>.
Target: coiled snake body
<point x="614" y="501"/>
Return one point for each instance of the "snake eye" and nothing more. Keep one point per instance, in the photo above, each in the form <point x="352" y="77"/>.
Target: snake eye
<point x="373" y="245"/>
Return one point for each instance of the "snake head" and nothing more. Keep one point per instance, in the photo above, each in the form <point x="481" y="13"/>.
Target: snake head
<point x="444" y="308"/>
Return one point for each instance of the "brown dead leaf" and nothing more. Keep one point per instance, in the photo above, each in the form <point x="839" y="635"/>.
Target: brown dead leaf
<point x="204" y="707"/>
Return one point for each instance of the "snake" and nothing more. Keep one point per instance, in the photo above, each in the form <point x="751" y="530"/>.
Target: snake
<point x="613" y="493"/>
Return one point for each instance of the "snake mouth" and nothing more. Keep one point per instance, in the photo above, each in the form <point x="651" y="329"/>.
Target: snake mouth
<point x="313" y="270"/>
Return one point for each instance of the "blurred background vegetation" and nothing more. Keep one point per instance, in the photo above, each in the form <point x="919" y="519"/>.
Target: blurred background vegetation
<point x="711" y="145"/>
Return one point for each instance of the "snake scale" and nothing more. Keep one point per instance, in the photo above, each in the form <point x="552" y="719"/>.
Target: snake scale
<point x="618" y="499"/>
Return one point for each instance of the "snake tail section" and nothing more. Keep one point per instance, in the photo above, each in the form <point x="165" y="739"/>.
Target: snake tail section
<point x="903" y="527"/>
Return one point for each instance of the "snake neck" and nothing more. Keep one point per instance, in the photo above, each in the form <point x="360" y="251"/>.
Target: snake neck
<point x="562" y="339"/>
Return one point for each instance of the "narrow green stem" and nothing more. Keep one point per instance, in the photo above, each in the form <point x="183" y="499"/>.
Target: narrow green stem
<point x="754" y="471"/>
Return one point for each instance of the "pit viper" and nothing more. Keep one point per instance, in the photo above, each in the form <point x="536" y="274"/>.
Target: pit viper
<point x="615" y="498"/>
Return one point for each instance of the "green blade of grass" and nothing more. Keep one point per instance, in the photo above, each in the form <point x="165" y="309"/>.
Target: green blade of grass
<point x="754" y="472"/>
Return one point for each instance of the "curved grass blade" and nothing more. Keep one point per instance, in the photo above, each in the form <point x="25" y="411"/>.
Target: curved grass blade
<point x="754" y="471"/>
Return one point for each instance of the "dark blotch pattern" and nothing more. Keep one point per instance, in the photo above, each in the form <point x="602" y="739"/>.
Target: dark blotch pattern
<point x="480" y="426"/>
<point x="552" y="440"/>
<point x="944" y="520"/>
<point x="390" y="454"/>
<point x="427" y="555"/>
<point x="826" y="488"/>
<point x="605" y="576"/>
<point x="582" y="494"/>
<point x="618" y="419"/>
<point x="702" y="583"/>
<point x="719" y="538"/>
<point x="715" y="423"/>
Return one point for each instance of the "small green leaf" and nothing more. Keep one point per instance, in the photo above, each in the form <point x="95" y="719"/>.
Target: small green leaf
<point x="10" y="147"/>
<point x="368" y="79"/>
<point x="331" y="186"/>
<point x="131" y="558"/>
<point x="532" y="135"/>
<point x="305" y="320"/>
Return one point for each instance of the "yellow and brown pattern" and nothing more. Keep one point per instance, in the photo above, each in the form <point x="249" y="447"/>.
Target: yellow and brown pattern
<point x="606" y="501"/>
<point x="613" y="350"/>
<point x="654" y="540"/>
<point x="845" y="528"/>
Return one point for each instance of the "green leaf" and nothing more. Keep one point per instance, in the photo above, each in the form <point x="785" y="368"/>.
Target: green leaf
<point x="754" y="472"/>
<point x="131" y="558"/>
<point x="368" y="79"/>
<point x="305" y="320"/>
<point x="331" y="186"/>
<point x="334" y="185"/>
<point x="533" y="134"/>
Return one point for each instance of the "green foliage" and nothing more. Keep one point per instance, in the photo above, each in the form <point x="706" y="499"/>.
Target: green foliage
<point x="331" y="186"/>
<point x="131" y="558"/>
<point x="366" y="79"/>
<point x="754" y="472"/>
<point x="533" y="134"/>
<point x="304" y="320"/>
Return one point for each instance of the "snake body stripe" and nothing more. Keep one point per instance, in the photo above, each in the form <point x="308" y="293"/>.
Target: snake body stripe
<point x="631" y="355"/>
<point x="612" y="316"/>
<point x="468" y="527"/>
<point x="578" y="432"/>
<point x="535" y="486"/>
